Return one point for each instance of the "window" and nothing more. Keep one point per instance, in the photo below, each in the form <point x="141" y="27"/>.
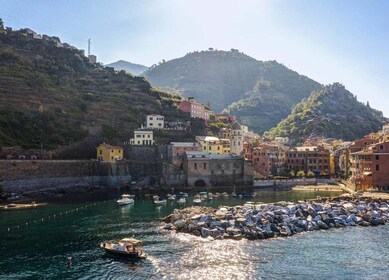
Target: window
<point x="377" y="157"/>
<point x="178" y="154"/>
<point x="101" y="152"/>
<point x="151" y="124"/>
<point x="148" y="136"/>
<point x="377" y="167"/>
<point x="195" y="166"/>
<point x="111" y="151"/>
<point x="381" y="147"/>
<point x="205" y="165"/>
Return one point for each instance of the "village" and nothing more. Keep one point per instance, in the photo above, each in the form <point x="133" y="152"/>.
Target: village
<point x="236" y="156"/>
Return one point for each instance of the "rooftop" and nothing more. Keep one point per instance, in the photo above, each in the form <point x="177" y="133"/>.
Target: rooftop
<point x="110" y="146"/>
<point x="185" y="144"/>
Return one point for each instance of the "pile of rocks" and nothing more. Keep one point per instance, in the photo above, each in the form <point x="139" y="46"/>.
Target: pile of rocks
<point x="258" y="221"/>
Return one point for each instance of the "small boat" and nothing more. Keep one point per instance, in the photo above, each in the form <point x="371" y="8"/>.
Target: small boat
<point x="197" y="199"/>
<point x="210" y="196"/>
<point x="159" y="201"/>
<point x="127" y="247"/>
<point x="125" y="199"/>
<point x="225" y="195"/>
<point x="171" y="197"/>
<point x="216" y="195"/>
<point x="183" y="194"/>
<point x="182" y="200"/>
<point x="234" y="194"/>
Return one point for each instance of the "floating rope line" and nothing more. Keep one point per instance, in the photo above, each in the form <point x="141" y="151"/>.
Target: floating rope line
<point x="58" y="214"/>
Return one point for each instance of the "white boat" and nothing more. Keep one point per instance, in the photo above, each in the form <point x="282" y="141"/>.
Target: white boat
<point x="225" y="195"/>
<point x="171" y="197"/>
<point x="127" y="247"/>
<point x="197" y="199"/>
<point x="210" y="196"/>
<point x="125" y="199"/>
<point x="159" y="202"/>
<point x="216" y="195"/>
<point x="182" y="200"/>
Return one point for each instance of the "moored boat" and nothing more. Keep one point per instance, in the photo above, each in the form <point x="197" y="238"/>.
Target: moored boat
<point x="125" y="199"/>
<point x="126" y="247"/>
<point x="197" y="199"/>
<point x="182" y="200"/>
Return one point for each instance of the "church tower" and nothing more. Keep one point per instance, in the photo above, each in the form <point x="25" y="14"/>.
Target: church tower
<point x="236" y="144"/>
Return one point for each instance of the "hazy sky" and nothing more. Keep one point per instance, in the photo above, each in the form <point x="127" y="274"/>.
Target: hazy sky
<point x="328" y="41"/>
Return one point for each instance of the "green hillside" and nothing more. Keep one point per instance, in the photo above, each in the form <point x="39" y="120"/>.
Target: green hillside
<point x="259" y="93"/>
<point x="51" y="94"/>
<point x="332" y="112"/>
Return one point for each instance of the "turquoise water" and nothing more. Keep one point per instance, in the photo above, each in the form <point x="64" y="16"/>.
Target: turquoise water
<point x="39" y="249"/>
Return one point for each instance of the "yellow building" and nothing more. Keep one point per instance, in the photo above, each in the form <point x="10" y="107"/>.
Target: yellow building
<point x="210" y="144"/>
<point x="109" y="153"/>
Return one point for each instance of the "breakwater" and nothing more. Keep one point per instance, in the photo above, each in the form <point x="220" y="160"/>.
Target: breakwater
<point x="259" y="221"/>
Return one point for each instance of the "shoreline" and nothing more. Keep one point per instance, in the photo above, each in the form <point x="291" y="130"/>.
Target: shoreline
<point x="267" y="220"/>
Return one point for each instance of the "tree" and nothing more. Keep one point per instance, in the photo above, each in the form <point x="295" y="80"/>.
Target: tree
<point x="292" y="173"/>
<point x="310" y="173"/>
<point x="300" y="173"/>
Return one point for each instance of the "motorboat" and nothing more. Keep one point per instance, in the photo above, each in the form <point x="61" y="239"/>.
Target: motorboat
<point x="126" y="247"/>
<point x="158" y="200"/>
<point x="182" y="200"/>
<point x="210" y="196"/>
<point x="225" y="195"/>
<point x="125" y="199"/>
<point x="203" y="196"/>
<point x="216" y="195"/>
<point x="197" y="199"/>
<point x="171" y="197"/>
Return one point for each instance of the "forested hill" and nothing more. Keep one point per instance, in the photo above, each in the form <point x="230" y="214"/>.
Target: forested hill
<point x="260" y="93"/>
<point x="132" y="68"/>
<point x="50" y="93"/>
<point x="332" y="112"/>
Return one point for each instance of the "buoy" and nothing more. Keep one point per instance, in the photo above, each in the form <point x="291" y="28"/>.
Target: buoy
<point x="9" y="229"/>
<point x="42" y="219"/>
<point x="69" y="262"/>
<point x="26" y="224"/>
<point x="54" y="215"/>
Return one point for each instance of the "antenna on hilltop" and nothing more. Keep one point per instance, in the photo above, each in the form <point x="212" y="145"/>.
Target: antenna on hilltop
<point x="88" y="47"/>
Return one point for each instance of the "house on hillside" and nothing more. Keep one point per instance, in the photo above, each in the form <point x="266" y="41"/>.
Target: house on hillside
<point x="143" y="137"/>
<point x="109" y="153"/>
<point x="155" y="121"/>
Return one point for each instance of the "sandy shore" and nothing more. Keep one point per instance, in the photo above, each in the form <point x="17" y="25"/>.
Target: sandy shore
<point x="318" y="188"/>
<point x="381" y="195"/>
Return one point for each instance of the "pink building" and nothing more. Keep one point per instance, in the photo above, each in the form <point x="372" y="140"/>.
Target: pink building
<point x="195" y="109"/>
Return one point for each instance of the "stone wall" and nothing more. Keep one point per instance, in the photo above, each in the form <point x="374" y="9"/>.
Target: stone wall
<point x="24" y="176"/>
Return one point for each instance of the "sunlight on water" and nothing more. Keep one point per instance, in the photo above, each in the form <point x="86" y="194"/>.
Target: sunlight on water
<point x="40" y="250"/>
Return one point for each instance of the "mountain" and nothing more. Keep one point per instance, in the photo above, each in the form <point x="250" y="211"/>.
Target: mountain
<point x="259" y="93"/>
<point x="51" y="94"/>
<point x="132" y="68"/>
<point x="332" y="112"/>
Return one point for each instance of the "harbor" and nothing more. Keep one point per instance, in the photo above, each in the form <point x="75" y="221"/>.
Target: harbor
<point x="75" y="226"/>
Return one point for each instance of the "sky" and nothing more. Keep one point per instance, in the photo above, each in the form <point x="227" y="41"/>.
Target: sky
<point x="329" y="40"/>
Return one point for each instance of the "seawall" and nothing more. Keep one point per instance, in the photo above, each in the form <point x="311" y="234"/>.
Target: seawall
<point x="42" y="176"/>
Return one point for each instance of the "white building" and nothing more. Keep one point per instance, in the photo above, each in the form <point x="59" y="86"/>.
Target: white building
<point x="236" y="139"/>
<point x="281" y="140"/>
<point x="385" y="128"/>
<point x="155" y="121"/>
<point x="143" y="137"/>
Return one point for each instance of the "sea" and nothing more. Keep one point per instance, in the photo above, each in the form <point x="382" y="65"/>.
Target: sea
<point x="36" y="244"/>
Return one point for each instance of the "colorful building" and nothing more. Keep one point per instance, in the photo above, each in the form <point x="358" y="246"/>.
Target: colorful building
<point x="309" y="158"/>
<point x="109" y="153"/>
<point x="210" y="144"/>
<point x="177" y="150"/>
<point x="195" y="109"/>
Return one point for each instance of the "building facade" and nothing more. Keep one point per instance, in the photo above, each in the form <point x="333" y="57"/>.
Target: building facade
<point x="143" y="137"/>
<point x="210" y="144"/>
<point x="177" y="150"/>
<point x="203" y="169"/>
<point x="155" y="121"/>
<point x="195" y="109"/>
<point x="313" y="158"/>
<point x="109" y="153"/>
